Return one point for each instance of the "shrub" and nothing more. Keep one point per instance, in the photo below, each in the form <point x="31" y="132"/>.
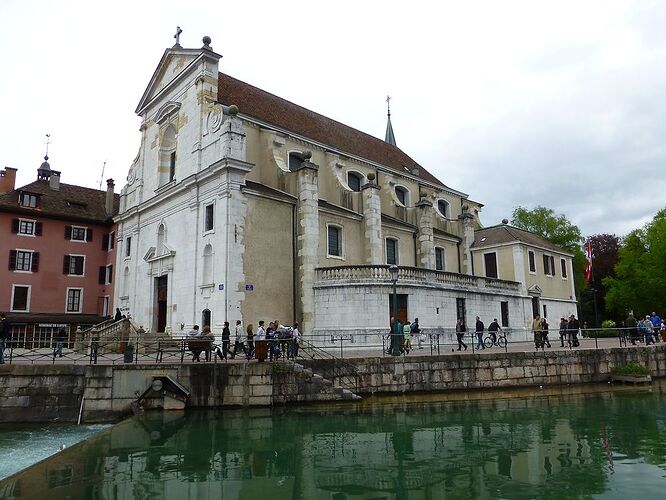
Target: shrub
<point x="630" y="369"/>
<point x="608" y="323"/>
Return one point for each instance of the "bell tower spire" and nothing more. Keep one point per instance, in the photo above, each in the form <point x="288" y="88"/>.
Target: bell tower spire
<point x="390" y="137"/>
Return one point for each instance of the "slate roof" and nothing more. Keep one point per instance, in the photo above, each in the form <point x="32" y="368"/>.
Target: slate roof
<point x="70" y="202"/>
<point x="496" y="235"/>
<point x="286" y="115"/>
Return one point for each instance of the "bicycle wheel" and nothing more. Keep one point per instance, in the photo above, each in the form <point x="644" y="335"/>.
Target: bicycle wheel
<point x="488" y="342"/>
<point x="501" y="341"/>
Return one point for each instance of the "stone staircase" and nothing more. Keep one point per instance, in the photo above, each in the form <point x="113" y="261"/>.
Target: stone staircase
<point x="311" y="386"/>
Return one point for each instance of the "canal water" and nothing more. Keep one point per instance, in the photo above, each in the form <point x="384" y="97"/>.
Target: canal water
<point x="581" y="442"/>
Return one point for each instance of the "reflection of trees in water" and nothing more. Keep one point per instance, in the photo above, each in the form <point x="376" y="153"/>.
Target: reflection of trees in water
<point x="556" y="446"/>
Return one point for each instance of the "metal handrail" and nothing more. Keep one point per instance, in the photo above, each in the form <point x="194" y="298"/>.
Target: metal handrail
<point x="341" y="367"/>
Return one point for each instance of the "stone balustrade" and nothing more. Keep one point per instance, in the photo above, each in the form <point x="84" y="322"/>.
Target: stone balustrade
<point x="411" y="275"/>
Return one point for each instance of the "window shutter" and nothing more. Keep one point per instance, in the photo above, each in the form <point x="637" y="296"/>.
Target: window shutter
<point x="102" y="274"/>
<point x="78" y="264"/>
<point x="15" y="226"/>
<point x="111" y="273"/>
<point x="65" y="264"/>
<point x="105" y="242"/>
<point x="12" y="260"/>
<point x="88" y="234"/>
<point x="68" y="232"/>
<point x="112" y="238"/>
<point x="38" y="228"/>
<point x="35" y="262"/>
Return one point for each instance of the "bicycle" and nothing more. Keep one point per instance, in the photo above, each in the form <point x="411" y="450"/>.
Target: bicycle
<point x="501" y="340"/>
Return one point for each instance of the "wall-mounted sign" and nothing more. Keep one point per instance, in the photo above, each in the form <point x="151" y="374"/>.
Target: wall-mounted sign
<point x="249" y="288"/>
<point x="220" y="286"/>
<point x="52" y="325"/>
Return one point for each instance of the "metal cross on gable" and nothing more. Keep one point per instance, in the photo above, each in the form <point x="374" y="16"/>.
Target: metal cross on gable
<point x="177" y="35"/>
<point x="388" y="103"/>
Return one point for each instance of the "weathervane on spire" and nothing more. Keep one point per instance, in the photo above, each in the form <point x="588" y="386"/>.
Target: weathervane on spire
<point x="390" y="136"/>
<point x="48" y="141"/>
<point x="177" y="35"/>
<point x="388" y="104"/>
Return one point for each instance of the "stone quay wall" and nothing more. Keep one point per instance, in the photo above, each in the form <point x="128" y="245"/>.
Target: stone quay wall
<point x="411" y="373"/>
<point x="43" y="393"/>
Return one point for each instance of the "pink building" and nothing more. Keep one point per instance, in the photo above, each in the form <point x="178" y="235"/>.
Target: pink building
<point x="58" y="241"/>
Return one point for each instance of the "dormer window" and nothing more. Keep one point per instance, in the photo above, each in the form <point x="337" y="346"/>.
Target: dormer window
<point x="443" y="208"/>
<point x="28" y="200"/>
<point x="295" y="161"/>
<point x="402" y="194"/>
<point x="354" y="181"/>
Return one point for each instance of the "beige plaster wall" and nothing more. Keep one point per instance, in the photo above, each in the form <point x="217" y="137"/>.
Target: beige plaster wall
<point x="352" y="241"/>
<point x="552" y="286"/>
<point x="268" y="262"/>
<point x="505" y="265"/>
<point x="406" y="256"/>
<point x="450" y="254"/>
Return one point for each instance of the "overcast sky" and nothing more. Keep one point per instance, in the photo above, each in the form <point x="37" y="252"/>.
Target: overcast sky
<point x="561" y="104"/>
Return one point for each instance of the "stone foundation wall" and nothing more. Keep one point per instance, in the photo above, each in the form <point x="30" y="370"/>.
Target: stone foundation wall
<point x="482" y="371"/>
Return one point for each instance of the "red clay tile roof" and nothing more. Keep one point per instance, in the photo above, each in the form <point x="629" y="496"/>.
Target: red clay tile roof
<point x="70" y="202"/>
<point x="274" y="110"/>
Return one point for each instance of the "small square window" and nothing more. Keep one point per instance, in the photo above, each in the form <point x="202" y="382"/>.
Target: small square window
<point x="26" y="227"/>
<point x="78" y="233"/>
<point x="28" y="200"/>
<point x="23" y="260"/>
<point x="74" y="265"/>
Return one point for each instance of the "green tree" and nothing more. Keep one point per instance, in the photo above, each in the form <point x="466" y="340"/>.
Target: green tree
<point x="605" y="256"/>
<point x="638" y="281"/>
<point x="557" y="229"/>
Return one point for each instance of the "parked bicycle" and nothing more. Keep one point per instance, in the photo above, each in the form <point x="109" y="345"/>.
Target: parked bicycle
<point x="501" y="340"/>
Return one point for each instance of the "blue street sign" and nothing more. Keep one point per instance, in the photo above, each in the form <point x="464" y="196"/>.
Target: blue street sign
<point x="249" y="288"/>
<point x="220" y="286"/>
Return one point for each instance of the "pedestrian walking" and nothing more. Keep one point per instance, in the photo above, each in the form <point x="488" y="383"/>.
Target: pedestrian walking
<point x="416" y="331"/>
<point x="479" y="333"/>
<point x="460" y="333"/>
<point x="536" y="332"/>
<point x="4" y="336"/>
<point x="295" y="339"/>
<point x="407" y="333"/>
<point x="238" y="339"/>
<point x="60" y="339"/>
<point x="544" y="333"/>
<point x="249" y="339"/>
<point x="573" y="327"/>
<point x="563" y="331"/>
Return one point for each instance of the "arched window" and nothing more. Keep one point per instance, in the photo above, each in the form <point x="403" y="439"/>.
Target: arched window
<point x="402" y="194"/>
<point x="391" y="251"/>
<point x="167" y="161"/>
<point x="208" y="264"/>
<point x="354" y="181"/>
<point x="443" y="208"/>
<point x="334" y="241"/>
<point x="161" y="239"/>
<point x="205" y="318"/>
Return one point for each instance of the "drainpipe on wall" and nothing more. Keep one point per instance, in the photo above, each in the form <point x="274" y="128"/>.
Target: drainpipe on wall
<point x="293" y="262"/>
<point x="458" y="252"/>
<point x="416" y="259"/>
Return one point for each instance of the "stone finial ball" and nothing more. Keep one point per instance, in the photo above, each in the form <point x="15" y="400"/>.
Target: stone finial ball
<point x="371" y="176"/>
<point x="423" y="194"/>
<point x="465" y="208"/>
<point x="307" y="155"/>
<point x="206" y="40"/>
<point x="505" y="221"/>
<point x="233" y="110"/>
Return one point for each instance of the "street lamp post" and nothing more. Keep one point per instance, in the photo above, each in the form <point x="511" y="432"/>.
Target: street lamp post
<point x="395" y="339"/>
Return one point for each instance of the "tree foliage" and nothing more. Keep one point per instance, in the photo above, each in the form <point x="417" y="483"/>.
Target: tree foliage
<point x="605" y="256"/>
<point x="639" y="274"/>
<point x="557" y="229"/>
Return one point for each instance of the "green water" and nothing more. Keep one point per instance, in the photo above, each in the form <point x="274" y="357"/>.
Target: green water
<point x="605" y="443"/>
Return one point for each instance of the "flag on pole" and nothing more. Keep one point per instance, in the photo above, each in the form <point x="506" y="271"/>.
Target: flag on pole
<point x="588" y="256"/>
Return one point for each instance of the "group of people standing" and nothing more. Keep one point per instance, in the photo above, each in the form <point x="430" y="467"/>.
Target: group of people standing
<point x="402" y="334"/>
<point x="272" y="341"/>
<point x="650" y="329"/>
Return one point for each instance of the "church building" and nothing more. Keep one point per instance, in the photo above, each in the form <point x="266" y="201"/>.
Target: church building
<point x="243" y="205"/>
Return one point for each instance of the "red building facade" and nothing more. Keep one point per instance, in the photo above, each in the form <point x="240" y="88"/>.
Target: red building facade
<point x="58" y="243"/>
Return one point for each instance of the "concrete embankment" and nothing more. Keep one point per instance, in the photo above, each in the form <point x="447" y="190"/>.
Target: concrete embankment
<point x="42" y="393"/>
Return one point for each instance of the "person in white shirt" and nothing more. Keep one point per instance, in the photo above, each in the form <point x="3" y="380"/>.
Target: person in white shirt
<point x="238" y="340"/>
<point x="295" y="338"/>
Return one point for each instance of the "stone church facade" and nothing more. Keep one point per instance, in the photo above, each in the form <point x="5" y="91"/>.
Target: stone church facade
<point x="242" y="205"/>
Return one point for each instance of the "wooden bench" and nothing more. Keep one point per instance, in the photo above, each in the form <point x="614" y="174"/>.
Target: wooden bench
<point x="170" y="346"/>
<point x="197" y="346"/>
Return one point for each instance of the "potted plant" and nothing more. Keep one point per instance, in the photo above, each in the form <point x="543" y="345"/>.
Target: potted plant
<point x="630" y="372"/>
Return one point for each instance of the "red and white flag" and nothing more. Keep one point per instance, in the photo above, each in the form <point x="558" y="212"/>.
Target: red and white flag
<point x="588" y="266"/>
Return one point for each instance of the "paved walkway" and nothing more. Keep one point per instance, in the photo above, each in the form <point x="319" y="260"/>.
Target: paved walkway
<point x="348" y="351"/>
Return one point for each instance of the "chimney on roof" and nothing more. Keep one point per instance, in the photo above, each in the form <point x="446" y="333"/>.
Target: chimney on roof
<point x="108" y="205"/>
<point x="7" y="179"/>
<point x="54" y="180"/>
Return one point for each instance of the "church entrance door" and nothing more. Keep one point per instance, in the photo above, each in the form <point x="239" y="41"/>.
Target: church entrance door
<point x="402" y="307"/>
<point x="161" y="289"/>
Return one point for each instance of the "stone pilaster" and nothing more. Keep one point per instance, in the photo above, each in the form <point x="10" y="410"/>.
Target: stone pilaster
<point x="372" y="222"/>
<point x="468" y="239"/>
<point x="425" y="241"/>
<point x="307" y="241"/>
